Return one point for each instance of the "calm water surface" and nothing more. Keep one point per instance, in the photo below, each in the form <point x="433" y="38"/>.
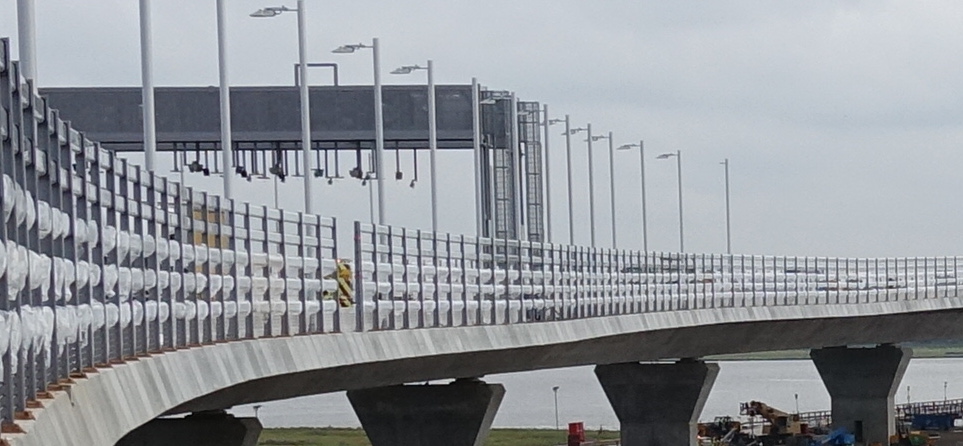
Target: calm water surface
<point x="529" y="401"/>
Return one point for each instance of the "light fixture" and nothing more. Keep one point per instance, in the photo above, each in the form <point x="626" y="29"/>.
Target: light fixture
<point x="399" y="175"/>
<point x="665" y="156"/>
<point x="488" y="101"/>
<point x="330" y="180"/>
<point x="318" y="173"/>
<point x="412" y="184"/>
<point x="355" y="172"/>
<point x="627" y="146"/>
<point x="364" y="181"/>
<point x="403" y="70"/>
<point x="195" y="166"/>
<point x="272" y="11"/>
<point x="348" y="49"/>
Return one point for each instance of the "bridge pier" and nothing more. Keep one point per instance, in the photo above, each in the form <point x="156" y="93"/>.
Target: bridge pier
<point x="658" y="404"/>
<point x="456" y="414"/>
<point x="861" y="383"/>
<point x="215" y="428"/>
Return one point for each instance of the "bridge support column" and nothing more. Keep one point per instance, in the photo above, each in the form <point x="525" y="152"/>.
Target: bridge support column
<point x="456" y="414"/>
<point x="215" y="428"/>
<point x="658" y="404"/>
<point x="862" y="383"/>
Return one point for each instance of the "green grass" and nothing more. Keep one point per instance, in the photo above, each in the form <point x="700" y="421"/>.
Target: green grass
<point x="355" y="437"/>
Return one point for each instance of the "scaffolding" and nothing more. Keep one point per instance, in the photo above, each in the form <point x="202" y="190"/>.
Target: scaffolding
<point x="530" y="145"/>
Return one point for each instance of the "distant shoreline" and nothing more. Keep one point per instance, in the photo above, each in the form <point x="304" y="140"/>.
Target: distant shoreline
<point x="919" y="352"/>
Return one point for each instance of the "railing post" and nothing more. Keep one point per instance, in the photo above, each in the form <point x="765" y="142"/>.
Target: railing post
<point x="360" y="296"/>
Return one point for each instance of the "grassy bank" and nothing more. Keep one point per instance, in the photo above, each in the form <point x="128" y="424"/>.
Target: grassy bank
<point x="355" y="437"/>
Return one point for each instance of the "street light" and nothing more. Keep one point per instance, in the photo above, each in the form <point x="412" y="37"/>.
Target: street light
<point x="27" y="38"/>
<point x="555" y="389"/>
<point x="274" y="11"/>
<point x="227" y="146"/>
<point x="546" y="122"/>
<point x="678" y="159"/>
<point x="641" y="146"/>
<point x="147" y="86"/>
<point x="568" y="170"/>
<point x="591" y="178"/>
<point x="611" y="181"/>
<point x="432" y="135"/>
<point x="728" y="226"/>
<point x="379" y="118"/>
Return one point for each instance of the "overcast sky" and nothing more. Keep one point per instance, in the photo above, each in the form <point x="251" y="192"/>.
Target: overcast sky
<point x="841" y="119"/>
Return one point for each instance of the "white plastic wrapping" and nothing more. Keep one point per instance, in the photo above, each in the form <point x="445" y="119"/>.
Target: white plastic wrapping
<point x="110" y="239"/>
<point x="136" y="280"/>
<point x="136" y="246"/>
<point x="62" y="224"/>
<point x="111" y="276"/>
<point x="45" y="219"/>
<point x="16" y="337"/>
<point x="163" y="249"/>
<point x="3" y="264"/>
<point x="80" y="231"/>
<point x="20" y="205"/>
<point x="124" y="284"/>
<point x="93" y="235"/>
<point x="150" y="245"/>
<point x="123" y="245"/>
<point x="31" y="208"/>
<point x="9" y="197"/>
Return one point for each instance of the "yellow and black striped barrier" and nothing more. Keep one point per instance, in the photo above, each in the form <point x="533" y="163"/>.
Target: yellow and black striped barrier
<point x="344" y="276"/>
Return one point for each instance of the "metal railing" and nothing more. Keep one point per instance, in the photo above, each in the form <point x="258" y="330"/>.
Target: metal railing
<point x="102" y="261"/>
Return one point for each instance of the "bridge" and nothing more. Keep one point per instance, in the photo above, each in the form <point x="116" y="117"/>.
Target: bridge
<point x="130" y="298"/>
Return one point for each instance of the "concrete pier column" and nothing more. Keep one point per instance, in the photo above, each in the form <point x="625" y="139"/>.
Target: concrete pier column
<point x="215" y="428"/>
<point x="658" y="404"/>
<point x="456" y="414"/>
<point x="861" y="383"/>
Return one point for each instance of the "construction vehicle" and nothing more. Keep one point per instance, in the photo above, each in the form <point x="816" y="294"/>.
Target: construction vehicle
<point x="781" y="424"/>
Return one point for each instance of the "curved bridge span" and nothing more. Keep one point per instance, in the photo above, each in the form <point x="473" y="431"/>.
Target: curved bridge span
<point x="125" y="297"/>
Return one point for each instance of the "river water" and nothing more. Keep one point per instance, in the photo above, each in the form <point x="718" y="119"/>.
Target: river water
<point x="529" y="400"/>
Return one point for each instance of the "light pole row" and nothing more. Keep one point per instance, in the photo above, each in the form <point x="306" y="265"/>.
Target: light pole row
<point x="569" y="131"/>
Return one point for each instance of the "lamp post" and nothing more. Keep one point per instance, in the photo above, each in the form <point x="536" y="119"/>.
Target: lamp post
<point x="477" y="152"/>
<point x="432" y="135"/>
<point x="303" y="88"/>
<point x="555" y="389"/>
<point x="591" y="178"/>
<point x="678" y="159"/>
<point x="611" y="182"/>
<point x="227" y="146"/>
<point x="147" y="87"/>
<point x="379" y="119"/>
<point x="27" y="38"/>
<point x="568" y="170"/>
<point x="728" y="225"/>
<point x="546" y="122"/>
<point x="641" y="146"/>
